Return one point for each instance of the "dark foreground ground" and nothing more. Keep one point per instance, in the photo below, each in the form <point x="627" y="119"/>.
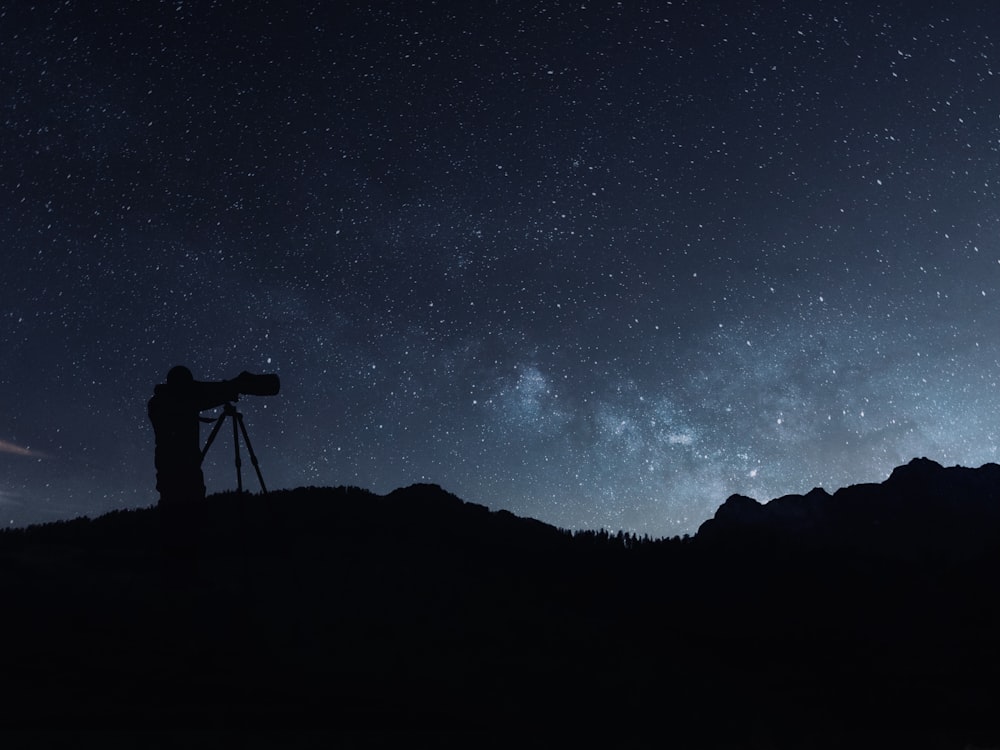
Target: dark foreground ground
<point x="336" y="609"/>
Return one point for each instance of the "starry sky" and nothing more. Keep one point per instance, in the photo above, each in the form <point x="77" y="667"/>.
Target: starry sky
<point x="597" y="263"/>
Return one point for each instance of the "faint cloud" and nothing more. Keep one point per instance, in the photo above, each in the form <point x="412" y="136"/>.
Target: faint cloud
<point x="9" y="498"/>
<point x="17" y="450"/>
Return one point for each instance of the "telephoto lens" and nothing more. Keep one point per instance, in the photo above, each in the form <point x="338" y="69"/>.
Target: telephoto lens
<point x="249" y="384"/>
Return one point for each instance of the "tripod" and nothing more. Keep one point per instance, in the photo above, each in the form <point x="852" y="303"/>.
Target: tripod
<point x="228" y="410"/>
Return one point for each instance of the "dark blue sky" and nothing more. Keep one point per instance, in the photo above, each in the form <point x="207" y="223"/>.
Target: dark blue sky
<point x="596" y="264"/>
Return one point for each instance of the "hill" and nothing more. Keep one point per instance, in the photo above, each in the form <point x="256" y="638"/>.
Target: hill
<point x="871" y="612"/>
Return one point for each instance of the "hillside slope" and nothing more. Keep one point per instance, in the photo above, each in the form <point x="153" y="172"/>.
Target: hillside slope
<point x="338" y="607"/>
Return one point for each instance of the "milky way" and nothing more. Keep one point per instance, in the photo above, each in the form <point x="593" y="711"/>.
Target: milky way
<point x="600" y="264"/>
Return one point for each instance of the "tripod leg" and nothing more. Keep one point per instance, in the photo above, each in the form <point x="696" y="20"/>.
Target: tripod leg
<point x="253" y="456"/>
<point x="212" y="434"/>
<point x="237" y="417"/>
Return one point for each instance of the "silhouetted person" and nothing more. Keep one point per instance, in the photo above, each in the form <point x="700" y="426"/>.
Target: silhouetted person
<point x="174" y="410"/>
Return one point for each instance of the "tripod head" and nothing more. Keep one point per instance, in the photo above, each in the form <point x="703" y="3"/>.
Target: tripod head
<point x="228" y="410"/>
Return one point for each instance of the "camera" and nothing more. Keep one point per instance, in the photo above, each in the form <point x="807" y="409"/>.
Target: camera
<point x="249" y="384"/>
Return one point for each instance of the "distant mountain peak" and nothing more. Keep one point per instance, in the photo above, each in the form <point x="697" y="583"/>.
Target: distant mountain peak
<point x="922" y="505"/>
<point x="916" y="468"/>
<point x="739" y="509"/>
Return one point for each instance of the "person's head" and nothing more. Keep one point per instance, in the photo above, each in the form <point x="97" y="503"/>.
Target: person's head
<point x="179" y="376"/>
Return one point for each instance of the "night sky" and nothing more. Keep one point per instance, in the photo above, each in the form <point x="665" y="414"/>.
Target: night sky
<point x="601" y="264"/>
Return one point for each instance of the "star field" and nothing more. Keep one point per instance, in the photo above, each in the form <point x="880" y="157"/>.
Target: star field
<point x="602" y="264"/>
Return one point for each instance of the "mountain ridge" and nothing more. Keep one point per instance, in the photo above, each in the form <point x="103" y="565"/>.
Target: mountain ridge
<point x="921" y="507"/>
